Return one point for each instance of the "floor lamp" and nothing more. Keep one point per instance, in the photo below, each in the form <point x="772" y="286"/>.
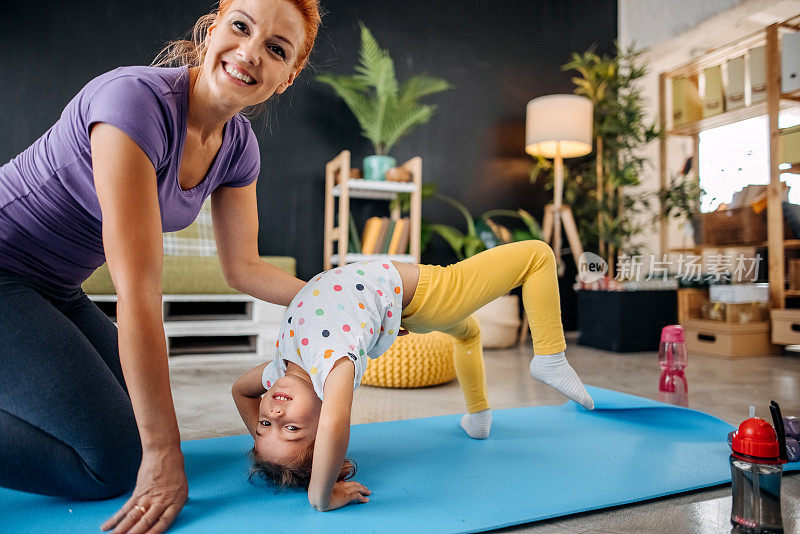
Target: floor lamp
<point x="558" y="127"/>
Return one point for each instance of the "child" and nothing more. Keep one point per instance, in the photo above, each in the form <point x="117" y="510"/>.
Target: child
<point x="301" y="427"/>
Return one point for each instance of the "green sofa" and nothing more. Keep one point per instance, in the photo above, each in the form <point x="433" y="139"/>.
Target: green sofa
<point x="187" y="275"/>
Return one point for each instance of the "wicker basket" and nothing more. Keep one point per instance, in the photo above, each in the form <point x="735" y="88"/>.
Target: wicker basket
<point x="414" y="361"/>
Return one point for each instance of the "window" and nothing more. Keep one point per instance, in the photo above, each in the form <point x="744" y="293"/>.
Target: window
<point x="737" y="155"/>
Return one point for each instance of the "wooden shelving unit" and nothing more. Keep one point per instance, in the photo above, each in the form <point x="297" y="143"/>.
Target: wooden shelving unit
<point x="339" y="185"/>
<point x="775" y="101"/>
<point x="212" y="328"/>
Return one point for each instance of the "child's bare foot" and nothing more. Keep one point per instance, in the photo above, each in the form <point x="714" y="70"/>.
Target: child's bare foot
<point x="478" y="424"/>
<point x="555" y="371"/>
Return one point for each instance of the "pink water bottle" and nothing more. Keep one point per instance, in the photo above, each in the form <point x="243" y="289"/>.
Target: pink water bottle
<point x="672" y="386"/>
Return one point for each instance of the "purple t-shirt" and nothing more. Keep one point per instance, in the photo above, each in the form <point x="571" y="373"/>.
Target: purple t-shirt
<point x="50" y="219"/>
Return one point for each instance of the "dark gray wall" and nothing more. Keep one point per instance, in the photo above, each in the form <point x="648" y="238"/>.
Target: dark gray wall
<point x="498" y="55"/>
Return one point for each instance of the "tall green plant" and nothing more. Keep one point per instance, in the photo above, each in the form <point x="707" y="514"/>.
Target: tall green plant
<point x="611" y="213"/>
<point x="385" y="109"/>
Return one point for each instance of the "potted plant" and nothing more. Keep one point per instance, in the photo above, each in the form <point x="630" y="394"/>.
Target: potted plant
<point x="616" y="320"/>
<point x="604" y="182"/>
<point x="385" y="109"/>
<point x="681" y="199"/>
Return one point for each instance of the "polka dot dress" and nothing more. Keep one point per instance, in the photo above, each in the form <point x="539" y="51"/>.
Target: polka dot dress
<point x="347" y="312"/>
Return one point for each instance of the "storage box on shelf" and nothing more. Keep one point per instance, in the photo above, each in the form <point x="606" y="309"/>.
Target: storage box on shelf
<point x="786" y="327"/>
<point x="339" y="184"/>
<point x="756" y="58"/>
<point x="729" y="340"/>
<point x="690" y="300"/>
<point x="733" y="323"/>
<point x="202" y="315"/>
<point x="738" y="226"/>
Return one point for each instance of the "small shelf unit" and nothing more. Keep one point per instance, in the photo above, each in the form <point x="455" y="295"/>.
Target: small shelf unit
<point x="225" y="326"/>
<point x="340" y="188"/>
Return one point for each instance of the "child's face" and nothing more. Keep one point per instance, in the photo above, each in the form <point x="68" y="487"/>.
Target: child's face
<point x="287" y="420"/>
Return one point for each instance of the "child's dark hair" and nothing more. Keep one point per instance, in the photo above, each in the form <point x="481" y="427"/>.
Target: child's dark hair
<point x="294" y="475"/>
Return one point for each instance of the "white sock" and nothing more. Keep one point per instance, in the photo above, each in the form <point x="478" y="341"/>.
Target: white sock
<point x="478" y="424"/>
<point x="555" y="371"/>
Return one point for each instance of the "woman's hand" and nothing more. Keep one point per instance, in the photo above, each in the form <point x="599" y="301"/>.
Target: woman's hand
<point x="347" y="491"/>
<point x="160" y="493"/>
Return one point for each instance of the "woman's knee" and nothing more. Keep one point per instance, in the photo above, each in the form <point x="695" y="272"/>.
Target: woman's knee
<point x="116" y="462"/>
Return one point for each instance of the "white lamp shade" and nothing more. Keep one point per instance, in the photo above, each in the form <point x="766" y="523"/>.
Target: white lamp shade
<point x="559" y="123"/>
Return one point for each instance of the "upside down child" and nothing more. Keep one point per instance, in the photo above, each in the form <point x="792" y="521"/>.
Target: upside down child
<point x="297" y="406"/>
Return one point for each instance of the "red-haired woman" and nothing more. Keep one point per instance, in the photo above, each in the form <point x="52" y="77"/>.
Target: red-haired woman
<point x="86" y="409"/>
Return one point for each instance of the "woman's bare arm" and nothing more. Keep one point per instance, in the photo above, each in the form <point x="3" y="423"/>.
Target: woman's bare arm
<point x="233" y="210"/>
<point x="247" y="392"/>
<point x="126" y="189"/>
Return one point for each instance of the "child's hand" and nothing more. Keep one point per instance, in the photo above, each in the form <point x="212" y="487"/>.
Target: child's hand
<point x="347" y="491"/>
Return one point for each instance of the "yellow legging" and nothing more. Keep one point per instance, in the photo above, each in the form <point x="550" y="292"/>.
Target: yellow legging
<point x="446" y="296"/>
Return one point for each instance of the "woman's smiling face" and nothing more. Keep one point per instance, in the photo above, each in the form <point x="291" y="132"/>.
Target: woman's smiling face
<point x="251" y="51"/>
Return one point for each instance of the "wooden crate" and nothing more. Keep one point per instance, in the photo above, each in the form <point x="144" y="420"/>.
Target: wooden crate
<point x="739" y="226"/>
<point x="714" y="338"/>
<point x="203" y="327"/>
<point x="794" y="274"/>
<point x="736" y="312"/>
<point x="786" y="327"/>
<point x="689" y="301"/>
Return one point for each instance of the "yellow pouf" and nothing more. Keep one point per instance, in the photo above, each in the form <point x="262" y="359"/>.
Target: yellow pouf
<point x="414" y="361"/>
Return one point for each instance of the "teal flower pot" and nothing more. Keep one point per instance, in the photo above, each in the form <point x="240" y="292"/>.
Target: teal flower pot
<point x="375" y="167"/>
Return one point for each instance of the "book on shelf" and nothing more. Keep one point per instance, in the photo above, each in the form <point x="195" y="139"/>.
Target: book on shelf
<point x="387" y="236"/>
<point x="370" y="235"/>
<point x="383" y="235"/>
<point x="402" y="247"/>
<point x="353" y="241"/>
<point x="377" y="248"/>
<point x="396" y="242"/>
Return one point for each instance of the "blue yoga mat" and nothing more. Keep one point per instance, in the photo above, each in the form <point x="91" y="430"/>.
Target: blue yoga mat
<point x="427" y="476"/>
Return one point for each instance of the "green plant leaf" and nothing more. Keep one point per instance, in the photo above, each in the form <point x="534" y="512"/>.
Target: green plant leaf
<point x="463" y="209"/>
<point x="533" y="227"/>
<point x="399" y="124"/>
<point x="453" y="236"/>
<point x="351" y="91"/>
<point x="418" y="86"/>
<point x="473" y="245"/>
<point x="384" y="110"/>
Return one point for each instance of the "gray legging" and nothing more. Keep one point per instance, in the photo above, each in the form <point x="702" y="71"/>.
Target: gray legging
<point x="66" y="422"/>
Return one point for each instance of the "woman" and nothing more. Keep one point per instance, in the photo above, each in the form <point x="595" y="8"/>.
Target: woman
<point x="86" y="409"/>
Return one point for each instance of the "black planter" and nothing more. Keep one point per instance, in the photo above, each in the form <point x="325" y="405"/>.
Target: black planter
<point x="625" y="321"/>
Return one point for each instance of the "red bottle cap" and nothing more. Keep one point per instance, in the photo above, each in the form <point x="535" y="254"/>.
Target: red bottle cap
<point x="755" y="437"/>
<point x="672" y="334"/>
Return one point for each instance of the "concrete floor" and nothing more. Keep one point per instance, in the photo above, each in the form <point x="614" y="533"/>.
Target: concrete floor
<point x="724" y="388"/>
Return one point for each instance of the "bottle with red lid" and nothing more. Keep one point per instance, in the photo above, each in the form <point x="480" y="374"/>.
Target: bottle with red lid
<point x="672" y="357"/>
<point x="757" y="458"/>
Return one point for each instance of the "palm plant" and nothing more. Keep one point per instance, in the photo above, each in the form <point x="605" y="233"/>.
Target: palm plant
<point x="607" y="179"/>
<point x="385" y="109"/>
